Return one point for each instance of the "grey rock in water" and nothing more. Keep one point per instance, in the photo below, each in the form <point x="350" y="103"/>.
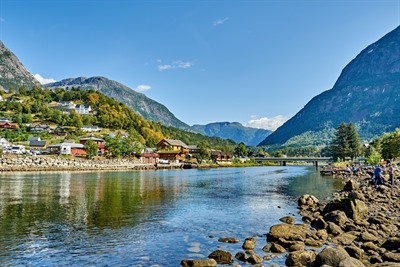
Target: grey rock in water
<point x="221" y="257"/>
<point x="199" y="263"/>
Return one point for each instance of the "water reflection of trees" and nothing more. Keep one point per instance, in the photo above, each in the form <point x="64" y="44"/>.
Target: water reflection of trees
<point x="312" y="183"/>
<point x="104" y="199"/>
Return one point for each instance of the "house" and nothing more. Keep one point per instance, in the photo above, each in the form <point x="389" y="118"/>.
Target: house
<point x="172" y="150"/>
<point x="99" y="142"/>
<point x="90" y="128"/>
<point x="65" y="106"/>
<point x="65" y="148"/>
<point x="149" y="158"/>
<point x="4" y="142"/>
<point x="193" y="150"/>
<point x="13" y="99"/>
<point x="8" y="125"/>
<point x="60" y="131"/>
<point x="83" y="109"/>
<point x="37" y="144"/>
<point x="5" y="119"/>
<point x="34" y="138"/>
<point x="39" y="128"/>
<point x="221" y="157"/>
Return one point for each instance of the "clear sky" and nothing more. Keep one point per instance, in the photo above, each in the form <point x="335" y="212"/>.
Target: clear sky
<point x="257" y="62"/>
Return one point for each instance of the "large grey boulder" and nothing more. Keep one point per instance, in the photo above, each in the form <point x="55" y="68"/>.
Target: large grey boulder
<point x="221" y="256"/>
<point x="300" y="258"/>
<point x="297" y="232"/>
<point x="354" y="208"/>
<point x="338" y="217"/>
<point x="331" y="256"/>
<point x="306" y="201"/>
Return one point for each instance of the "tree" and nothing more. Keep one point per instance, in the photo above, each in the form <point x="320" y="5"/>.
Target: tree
<point x="203" y="151"/>
<point x="372" y="156"/>
<point x="91" y="149"/>
<point x="390" y="145"/>
<point x="241" y="150"/>
<point x="354" y="141"/>
<point x="346" y="142"/>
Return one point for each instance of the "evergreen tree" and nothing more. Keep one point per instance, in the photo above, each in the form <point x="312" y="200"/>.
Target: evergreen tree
<point x="346" y="142"/>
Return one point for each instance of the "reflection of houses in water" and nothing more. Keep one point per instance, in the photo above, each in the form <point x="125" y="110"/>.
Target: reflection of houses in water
<point x="65" y="183"/>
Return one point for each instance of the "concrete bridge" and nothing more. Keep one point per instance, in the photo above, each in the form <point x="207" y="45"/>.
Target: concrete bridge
<point x="284" y="160"/>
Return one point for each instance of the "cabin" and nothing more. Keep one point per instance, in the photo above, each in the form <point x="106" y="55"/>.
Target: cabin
<point x="66" y="148"/>
<point x="8" y="125"/>
<point x="221" y="157"/>
<point x="99" y="142"/>
<point x="172" y="150"/>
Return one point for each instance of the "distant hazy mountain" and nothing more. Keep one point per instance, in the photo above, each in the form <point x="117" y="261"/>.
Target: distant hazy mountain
<point x="12" y="73"/>
<point x="367" y="93"/>
<point x="234" y="131"/>
<point x="148" y="108"/>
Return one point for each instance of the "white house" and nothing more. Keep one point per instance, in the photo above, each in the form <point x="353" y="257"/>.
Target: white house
<point x="83" y="109"/>
<point x="90" y="128"/>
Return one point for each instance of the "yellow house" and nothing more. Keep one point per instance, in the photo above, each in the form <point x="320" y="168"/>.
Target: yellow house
<point x="172" y="150"/>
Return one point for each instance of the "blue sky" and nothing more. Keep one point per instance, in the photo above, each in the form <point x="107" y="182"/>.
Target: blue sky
<point x="256" y="62"/>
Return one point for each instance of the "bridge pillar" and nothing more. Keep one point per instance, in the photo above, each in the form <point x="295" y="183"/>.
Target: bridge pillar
<point x="283" y="163"/>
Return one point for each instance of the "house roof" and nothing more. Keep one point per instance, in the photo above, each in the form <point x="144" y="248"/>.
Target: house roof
<point x="34" y="138"/>
<point x="37" y="143"/>
<point x="173" y="142"/>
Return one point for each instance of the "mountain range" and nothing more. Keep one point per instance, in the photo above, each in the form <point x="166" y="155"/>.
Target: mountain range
<point x="234" y="131"/>
<point x="366" y="93"/>
<point x="13" y="74"/>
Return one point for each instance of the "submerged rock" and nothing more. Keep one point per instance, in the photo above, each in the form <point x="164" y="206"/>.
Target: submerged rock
<point x="199" y="263"/>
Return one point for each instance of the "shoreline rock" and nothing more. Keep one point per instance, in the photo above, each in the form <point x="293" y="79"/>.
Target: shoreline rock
<point x="359" y="227"/>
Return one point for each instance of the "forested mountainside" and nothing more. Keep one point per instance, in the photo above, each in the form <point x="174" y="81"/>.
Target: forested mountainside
<point x="366" y="93"/>
<point x="148" y="108"/>
<point x="234" y="131"/>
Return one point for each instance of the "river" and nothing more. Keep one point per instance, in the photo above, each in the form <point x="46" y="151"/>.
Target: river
<point x="148" y="218"/>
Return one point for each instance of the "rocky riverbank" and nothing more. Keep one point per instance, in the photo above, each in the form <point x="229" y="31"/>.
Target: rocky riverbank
<point x="32" y="163"/>
<point x="359" y="227"/>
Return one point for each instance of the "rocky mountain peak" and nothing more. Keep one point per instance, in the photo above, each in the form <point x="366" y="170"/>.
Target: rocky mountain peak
<point x="12" y="73"/>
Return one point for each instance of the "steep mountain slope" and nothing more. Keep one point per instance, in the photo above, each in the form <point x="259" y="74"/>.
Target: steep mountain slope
<point x="12" y="73"/>
<point x="234" y="131"/>
<point x="148" y="108"/>
<point x="366" y="93"/>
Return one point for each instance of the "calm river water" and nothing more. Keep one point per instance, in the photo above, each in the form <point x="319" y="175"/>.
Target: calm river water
<point x="152" y="218"/>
